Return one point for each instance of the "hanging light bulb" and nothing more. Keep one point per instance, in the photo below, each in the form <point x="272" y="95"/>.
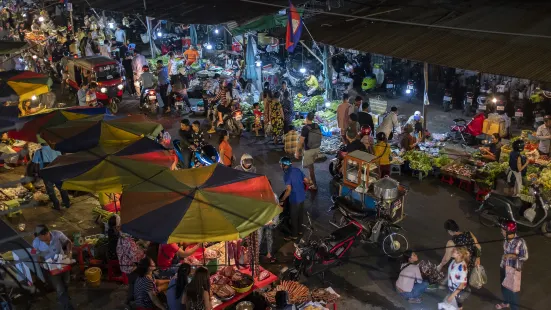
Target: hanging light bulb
<point x="159" y="34"/>
<point x="33" y="97"/>
<point x="35" y="57"/>
<point x="302" y="70"/>
<point x="327" y="104"/>
<point x="216" y="30"/>
<point x="258" y="63"/>
<point x="494" y="100"/>
<point x="24" y="15"/>
<point x="41" y="19"/>
<point x="111" y="25"/>
<point x="209" y="46"/>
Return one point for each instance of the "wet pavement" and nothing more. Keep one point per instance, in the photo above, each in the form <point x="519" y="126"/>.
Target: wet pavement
<point x="366" y="279"/>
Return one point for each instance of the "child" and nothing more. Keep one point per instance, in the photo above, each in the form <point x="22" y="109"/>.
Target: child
<point x="257" y="118"/>
<point x="198" y="140"/>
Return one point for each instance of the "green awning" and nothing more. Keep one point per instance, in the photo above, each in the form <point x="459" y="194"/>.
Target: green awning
<point x="264" y="22"/>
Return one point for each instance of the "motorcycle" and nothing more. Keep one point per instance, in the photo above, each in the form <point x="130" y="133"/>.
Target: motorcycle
<point x="447" y="102"/>
<point x="232" y="123"/>
<point x="296" y="80"/>
<point x="313" y="257"/>
<point x="376" y="226"/>
<point x="497" y="208"/>
<point x="468" y="106"/>
<point x="391" y="89"/>
<point x="149" y="102"/>
<point x="335" y="166"/>
<point x="206" y="156"/>
<point x="410" y="90"/>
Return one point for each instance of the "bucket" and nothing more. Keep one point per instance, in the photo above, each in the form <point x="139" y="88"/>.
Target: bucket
<point x="93" y="276"/>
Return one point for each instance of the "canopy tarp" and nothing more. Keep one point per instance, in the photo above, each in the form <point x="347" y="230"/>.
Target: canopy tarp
<point x="16" y="86"/>
<point x="264" y="23"/>
<point x="83" y="134"/>
<point x="214" y="203"/>
<point x="9" y="47"/>
<point x="108" y="169"/>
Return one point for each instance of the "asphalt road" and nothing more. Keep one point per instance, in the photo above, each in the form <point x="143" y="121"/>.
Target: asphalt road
<point x="366" y="280"/>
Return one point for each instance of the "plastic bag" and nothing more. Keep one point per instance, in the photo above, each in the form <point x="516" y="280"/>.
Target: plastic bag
<point x="445" y="305"/>
<point x="478" y="277"/>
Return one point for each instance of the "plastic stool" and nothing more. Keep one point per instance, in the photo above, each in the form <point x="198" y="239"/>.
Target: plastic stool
<point x="481" y="194"/>
<point x="447" y="179"/>
<point x="112" y="267"/>
<point x="395" y="169"/>
<point x="465" y="185"/>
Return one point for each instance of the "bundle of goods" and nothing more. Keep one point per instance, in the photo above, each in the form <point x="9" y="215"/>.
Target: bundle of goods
<point x="418" y="160"/>
<point x="37" y="38"/>
<point x="313" y="306"/>
<point x="237" y="281"/>
<point x="487" y="175"/>
<point x="441" y="161"/>
<point x="542" y="160"/>
<point x="308" y="104"/>
<point x="430" y="272"/>
<point x="321" y="294"/>
<point x="298" y="293"/>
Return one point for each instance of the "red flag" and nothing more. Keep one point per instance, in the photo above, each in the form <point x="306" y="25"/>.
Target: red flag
<point x="294" y="28"/>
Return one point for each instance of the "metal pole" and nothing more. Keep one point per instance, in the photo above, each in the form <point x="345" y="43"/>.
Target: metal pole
<point x="425" y="99"/>
<point x="148" y="22"/>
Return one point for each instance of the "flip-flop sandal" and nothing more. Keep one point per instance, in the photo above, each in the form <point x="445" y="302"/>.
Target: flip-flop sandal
<point x="502" y="306"/>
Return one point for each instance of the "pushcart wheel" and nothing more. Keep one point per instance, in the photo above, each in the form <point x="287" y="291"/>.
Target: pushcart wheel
<point x="394" y="245"/>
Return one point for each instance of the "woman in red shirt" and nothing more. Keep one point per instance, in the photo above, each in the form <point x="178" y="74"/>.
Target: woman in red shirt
<point x="225" y="149"/>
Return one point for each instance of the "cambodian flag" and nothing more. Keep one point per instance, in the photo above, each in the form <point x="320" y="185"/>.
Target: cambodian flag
<point x="294" y="28"/>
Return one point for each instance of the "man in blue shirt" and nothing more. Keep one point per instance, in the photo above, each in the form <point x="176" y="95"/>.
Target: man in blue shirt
<point x="48" y="244"/>
<point x="163" y="80"/>
<point x="295" y="191"/>
<point x="43" y="158"/>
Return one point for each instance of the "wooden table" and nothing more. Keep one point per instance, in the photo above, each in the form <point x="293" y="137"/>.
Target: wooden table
<point x="257" y="285"/>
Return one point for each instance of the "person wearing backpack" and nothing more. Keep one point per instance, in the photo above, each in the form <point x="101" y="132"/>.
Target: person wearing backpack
<point x="309" y="143"/>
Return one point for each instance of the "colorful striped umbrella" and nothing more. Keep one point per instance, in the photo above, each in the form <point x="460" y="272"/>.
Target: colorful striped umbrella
<point x="213" y="203"/>
<point x="108" y="169"/>
<point x="16" y="86"/>
<point x="86" y="133"/>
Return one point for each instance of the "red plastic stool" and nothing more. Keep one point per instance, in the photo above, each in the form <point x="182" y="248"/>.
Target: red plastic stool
<point x="481" y="194"/>
<point x="113" y="268"/>
<point x="447" y="179"/>
<point x="465" y="185"/>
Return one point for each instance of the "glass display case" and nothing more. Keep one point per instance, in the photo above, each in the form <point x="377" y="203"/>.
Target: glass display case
<point x="357" y="169"/>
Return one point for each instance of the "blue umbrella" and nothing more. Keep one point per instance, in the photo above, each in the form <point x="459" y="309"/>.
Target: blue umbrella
<point x="250" y="69"/>
<point x="193" y="35"/>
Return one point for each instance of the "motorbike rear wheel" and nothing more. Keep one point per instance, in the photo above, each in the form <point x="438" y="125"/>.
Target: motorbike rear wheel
<point x="114" y="105"/>
<point x="394" y="245"/>
<point x="546" y="229"/>
<point x="488" y="218"/>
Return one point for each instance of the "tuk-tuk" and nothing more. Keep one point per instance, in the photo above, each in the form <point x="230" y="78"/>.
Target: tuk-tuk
<point x="106" y="72"/>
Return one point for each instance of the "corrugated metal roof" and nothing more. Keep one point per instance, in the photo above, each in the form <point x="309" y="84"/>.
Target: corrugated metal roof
<point x="524" y="57"/>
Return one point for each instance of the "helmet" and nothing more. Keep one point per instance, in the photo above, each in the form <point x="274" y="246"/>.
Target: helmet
<point x="365" y="131"/>
<point x="510" y="227"/>
<point x="285" y="161"/>
<point x="417" y="115"/>
<point x="145" y="68"/>
<point x="381" y="136"/>
<point x="518" y="145"/>
<point x="246" y="160"/>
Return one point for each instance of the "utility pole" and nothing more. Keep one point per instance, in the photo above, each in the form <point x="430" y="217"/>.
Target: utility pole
<point x="148" y="22"/>
<point x="425" y="98"/>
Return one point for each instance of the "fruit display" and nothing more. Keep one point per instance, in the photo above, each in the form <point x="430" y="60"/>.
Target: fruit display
<point x="298" y="293"/>
<point x="542" y="160"/>
<point x="418" y="160"/>
<point x="545" y="178"/>
<point x="321" y="294"/>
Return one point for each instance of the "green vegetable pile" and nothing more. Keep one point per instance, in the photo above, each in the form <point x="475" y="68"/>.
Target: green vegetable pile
<point x="441" y="161"/>
<point x="308" y="104"/>
<point x="418" y="160"/>
<point x="327" y="115"/>
<point x="488" y="174"/>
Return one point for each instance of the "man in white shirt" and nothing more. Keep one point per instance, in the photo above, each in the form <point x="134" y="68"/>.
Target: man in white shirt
<point x="544" y="135"/>
<point x="81" y="95"/>
<point x="390" y="122"/>
<point x="120" y="35"/>
<point x="137" y="66"/>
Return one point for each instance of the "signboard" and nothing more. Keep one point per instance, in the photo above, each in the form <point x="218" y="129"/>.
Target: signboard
<point x="69" y="7"/>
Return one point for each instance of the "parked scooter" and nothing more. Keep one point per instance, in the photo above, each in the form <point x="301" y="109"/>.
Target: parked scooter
<point x="410" y="90"/>
<point x="206" y="156"/>
<point x="497" y="208"/>
<point x="391" y="88"/>
<point x="232" y="123"/>
<point x="317" y="256"/>
<point x="469" y="104"/>
<point x="335" y="166"/>
<point x="447" y="101"/>
<point x="376" y="227"/>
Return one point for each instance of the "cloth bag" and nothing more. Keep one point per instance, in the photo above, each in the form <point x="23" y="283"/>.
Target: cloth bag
<point x="478" y="277"/>
<point x="512" y="279"/>
<point x="444" y="305"/>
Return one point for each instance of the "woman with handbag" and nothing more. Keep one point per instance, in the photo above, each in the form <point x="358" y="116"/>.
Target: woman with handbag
<point x="514" y="255"/>
<point x="457" y="277"/>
